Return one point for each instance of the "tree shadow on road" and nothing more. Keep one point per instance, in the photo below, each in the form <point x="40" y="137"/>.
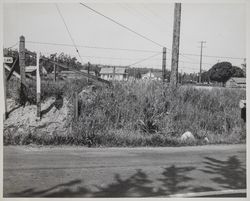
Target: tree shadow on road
<point x="229" y="174"/>
<point x="137" y="185"/>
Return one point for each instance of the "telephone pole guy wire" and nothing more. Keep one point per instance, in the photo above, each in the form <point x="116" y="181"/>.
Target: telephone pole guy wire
<point x="58" y="9"/>
<point x="121" y="25"/>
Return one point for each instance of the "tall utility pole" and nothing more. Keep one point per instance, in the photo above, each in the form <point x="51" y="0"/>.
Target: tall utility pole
<point x="164" y="64"/>
<point x="22" y="69"/>
<point x="202" y="42"/>
<point x="175" y="45"/>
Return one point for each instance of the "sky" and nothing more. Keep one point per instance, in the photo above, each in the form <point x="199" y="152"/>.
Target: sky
<point x="222" y="26"/>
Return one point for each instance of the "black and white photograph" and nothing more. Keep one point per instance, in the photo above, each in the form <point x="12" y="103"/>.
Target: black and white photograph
<point x="124" y="99"/>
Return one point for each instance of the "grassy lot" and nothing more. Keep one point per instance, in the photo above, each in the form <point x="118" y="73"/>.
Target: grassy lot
<point x="147" y="114"/>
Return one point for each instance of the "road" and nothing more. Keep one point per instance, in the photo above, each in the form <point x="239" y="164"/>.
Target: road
<point x="122" y="172"/>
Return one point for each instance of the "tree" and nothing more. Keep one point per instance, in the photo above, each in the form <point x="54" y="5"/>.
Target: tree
<point x="237" y="72"/>
<point x="205" y="77"/>
<point x="223" y="71"/>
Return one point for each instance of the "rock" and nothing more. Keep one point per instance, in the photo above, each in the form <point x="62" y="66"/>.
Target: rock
<point x="206" y="140"/>
<point x="187" y="136"/>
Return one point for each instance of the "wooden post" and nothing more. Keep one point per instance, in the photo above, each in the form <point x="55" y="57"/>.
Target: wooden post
<point x="38" y="87"/>
<point x="175" y="45"/>
<point x="88" y="72"/>
<point x="113" y="73"/>
<point x="202" y="42"/>
<point x="4" y="95"/>
<point x="76" y="105"/>
<point x="22" y="68"/>
<point x="164" y="64"/>
<point x="55" y="69"/>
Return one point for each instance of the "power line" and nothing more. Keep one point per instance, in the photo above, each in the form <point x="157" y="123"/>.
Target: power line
<point x="144" y="59"/>
<point x="68" y="32"/>
<point x="212" y="56"/>
<point x="91" y="47"/>
<point x="112" y="20"/>
<point x="12" y="46"/>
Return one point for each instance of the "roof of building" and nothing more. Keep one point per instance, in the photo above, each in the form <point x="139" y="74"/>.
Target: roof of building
<point x="238" y="80"/>
<point x="111" y="70"/>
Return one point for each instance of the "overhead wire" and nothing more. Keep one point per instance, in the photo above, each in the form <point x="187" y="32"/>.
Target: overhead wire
<point x="144" y="59"/>
<point x="12" y="45"/>
<point x="91" y="47"/>
<point x="125" y="27"/>
<point x="58" y="9"/>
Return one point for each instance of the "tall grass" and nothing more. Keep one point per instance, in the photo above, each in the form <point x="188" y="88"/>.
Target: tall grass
<point x="148" y="114"/>
<point x="133" y="113"/>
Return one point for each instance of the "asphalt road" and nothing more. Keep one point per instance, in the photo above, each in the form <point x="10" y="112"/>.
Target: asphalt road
<point x="122" y="172"/>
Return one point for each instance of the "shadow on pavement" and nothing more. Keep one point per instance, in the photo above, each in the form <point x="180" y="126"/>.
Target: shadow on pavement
<point x="229" y="174"/>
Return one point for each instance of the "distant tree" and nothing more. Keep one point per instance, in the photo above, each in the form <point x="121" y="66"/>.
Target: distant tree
<point x="237" y="72"/>
<point x="205" y="76"/>
<point x="223" y="71"/>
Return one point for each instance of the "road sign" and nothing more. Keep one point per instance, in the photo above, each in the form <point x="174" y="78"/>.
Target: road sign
<point x="8" y="60"/>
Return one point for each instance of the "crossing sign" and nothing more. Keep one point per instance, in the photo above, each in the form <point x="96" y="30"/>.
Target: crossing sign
<point x="8" y="60"/>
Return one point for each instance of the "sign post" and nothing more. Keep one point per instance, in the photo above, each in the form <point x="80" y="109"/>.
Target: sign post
<point x="8" y="60"/>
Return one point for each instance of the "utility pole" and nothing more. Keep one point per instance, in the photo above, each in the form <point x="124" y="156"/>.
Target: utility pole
<point x="175" y="45"/>
<point x="164" y="64"/>
<point x="22" y="69"/>
<point x="202" y="42"/>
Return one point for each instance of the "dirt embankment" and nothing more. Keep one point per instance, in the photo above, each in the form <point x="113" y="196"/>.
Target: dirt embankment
<point x="23" y="120"/>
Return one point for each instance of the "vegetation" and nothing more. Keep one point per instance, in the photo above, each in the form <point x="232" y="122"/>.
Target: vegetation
<point x="222" y="71"/>
<point x="147" y="114"/>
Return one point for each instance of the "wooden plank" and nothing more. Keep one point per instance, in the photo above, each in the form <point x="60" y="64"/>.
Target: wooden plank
<point x="14" y="73"/>
<point x="12" y="68"/>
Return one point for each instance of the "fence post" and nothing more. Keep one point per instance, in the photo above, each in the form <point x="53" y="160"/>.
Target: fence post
<point x="164" y="64"/>
<point x="22" y="68"/>
<point x="55" y="69"/>
<point x="38" y="86"/>
<point x="113" y="73"/>
<point x="76" y="106"/>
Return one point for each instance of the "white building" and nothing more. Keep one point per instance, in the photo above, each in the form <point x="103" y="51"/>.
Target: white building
<point x="113" y="73"/>
<point x="152" y="75"/>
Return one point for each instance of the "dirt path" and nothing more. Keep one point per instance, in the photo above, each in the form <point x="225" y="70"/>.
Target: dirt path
<point x="122" y="172"/>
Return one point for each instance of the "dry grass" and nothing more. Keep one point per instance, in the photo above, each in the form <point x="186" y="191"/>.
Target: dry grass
<point x="148" y="114"/>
